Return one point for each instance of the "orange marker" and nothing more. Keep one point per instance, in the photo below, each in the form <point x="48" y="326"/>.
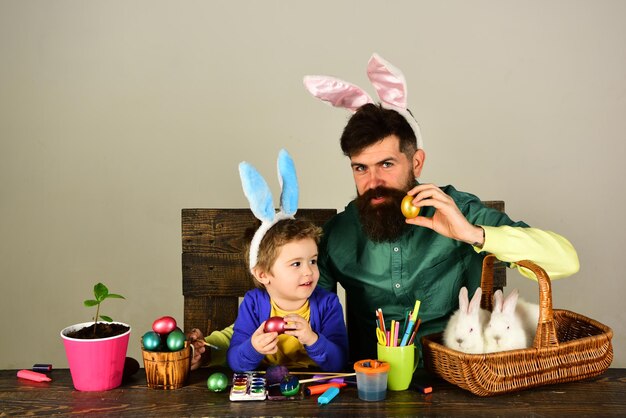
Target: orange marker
<point x="424" y="389"/>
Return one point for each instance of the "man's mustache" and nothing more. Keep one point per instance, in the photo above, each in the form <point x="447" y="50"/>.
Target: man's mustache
<point x="382" y="191"/>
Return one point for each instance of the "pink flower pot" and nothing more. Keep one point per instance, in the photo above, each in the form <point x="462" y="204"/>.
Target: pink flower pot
<point x="96" y="364"/>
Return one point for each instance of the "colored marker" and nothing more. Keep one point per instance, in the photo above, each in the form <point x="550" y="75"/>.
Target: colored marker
<point x="424" y="389"/>
<point x="413" y="318"/>
<point x="44" y="368"/>
<point x="317" y="389"/>
<point x="417" y="325"/>
<point x="34" y="376"/>
<point x="395" y="337"/>
<point x="328" y="396"/>
<point x="406" y="322"/>
<point x="382" y="320"/>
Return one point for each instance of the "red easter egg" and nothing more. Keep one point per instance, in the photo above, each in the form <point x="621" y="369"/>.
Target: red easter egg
<point x="164" y="325"/>
<point x="275" y="324"/>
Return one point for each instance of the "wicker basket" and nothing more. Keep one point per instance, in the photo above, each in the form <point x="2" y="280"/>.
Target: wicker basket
<point x="567" y="347"/>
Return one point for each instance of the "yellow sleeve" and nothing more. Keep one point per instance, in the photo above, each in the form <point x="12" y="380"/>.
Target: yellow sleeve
<point x="220" y="339"/>
<point x="550" y="251"/>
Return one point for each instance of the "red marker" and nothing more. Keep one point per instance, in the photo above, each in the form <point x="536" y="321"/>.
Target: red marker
<point x="30" y="375"/>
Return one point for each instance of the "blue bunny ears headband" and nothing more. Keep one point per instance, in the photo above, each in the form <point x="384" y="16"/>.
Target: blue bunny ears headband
<point x="261" y="201"/>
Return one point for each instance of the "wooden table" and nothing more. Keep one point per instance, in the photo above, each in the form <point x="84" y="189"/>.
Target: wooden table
<point x="602" y="396"/>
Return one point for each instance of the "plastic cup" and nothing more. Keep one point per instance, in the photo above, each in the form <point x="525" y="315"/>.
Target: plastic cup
<point x="402" y="363"/>
<point x="371" y="379"/>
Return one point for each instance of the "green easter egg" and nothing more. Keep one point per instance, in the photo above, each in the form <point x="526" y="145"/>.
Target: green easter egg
<point x="217" y="382"/>
<point x="151" y="341"/>
<point x="176" y="340"/>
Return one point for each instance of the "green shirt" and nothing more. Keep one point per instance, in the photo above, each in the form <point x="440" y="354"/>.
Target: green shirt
<point x="421" y="264"/>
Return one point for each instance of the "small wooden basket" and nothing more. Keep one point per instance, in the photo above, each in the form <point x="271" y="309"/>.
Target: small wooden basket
<point x="567" y="347"/>
<point x="167" y="370"/>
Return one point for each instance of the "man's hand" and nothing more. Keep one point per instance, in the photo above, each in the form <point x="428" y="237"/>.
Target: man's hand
<point x="448" y="219"/>
<point x="264" y="342"/>
<point x="301" y="329"/>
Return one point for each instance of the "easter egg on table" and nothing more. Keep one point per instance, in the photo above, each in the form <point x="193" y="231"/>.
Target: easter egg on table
<point x="151" y="341"/>
<point x="217" y="382"/>
<point x="275" y="324"/>
<point x="176" y="340"/>
<point x="164" y="325"/>
<point x="408" y="209"/>
<point x="131" y="366"/>
<point x="274" y="374"/>
<point x="290" y="385"/>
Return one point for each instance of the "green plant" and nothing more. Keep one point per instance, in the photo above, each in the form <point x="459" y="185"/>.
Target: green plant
<point x="101" y="292"/>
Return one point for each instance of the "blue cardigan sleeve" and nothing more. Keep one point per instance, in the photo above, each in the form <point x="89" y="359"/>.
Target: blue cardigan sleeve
<point x="241" y="354"/>
<point x="330" y="351"/>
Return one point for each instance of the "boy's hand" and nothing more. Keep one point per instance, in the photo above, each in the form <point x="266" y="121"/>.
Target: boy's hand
<point x="301" y="329"/>
<point x="196" y="339"/>
<point x="264" y="342"/>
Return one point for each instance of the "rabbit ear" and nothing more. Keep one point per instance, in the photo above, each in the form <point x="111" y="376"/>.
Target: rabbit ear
<point x="336" y="92"/>
<point x="510" y="301"/>
<point x="257" y="191"/>
<point x="474" y="304"/>
<point x="388" y="81"/>
<point x="497" y="301"/>
<point x="288" y="183"/>
<point x="463" y="300"/>
<point x="390" y="86"/>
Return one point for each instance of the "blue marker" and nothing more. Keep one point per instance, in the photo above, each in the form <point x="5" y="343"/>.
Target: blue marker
<point x="327" y="396"/>
<point x="412" y="321"/>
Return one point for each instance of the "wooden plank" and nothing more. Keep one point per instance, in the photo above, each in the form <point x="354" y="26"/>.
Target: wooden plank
<point x="209" y="313"/>
<point x="494" y="204"/>
<point x="222" y="230"/>
<point x="207" y="274"/>
<point x="215" y="230"/>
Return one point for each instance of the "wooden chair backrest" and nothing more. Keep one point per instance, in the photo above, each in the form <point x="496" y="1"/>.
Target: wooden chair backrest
<point x="215" y="274"/>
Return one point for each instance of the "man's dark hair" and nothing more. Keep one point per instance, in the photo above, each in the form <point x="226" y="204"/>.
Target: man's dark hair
<point x="372" y="123"/>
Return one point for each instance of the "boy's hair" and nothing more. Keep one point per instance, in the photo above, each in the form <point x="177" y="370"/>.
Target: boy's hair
<point x="280" y="234"/>
<point x="372" y="123"/>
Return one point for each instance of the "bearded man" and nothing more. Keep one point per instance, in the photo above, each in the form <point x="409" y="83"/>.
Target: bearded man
<point x="385" y="261"/>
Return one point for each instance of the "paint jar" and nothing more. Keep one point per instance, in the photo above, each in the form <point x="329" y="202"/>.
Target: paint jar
<point x="371" y="379"/>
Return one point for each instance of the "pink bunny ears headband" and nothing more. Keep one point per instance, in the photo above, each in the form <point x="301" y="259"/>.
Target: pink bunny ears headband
<point x="388" y="81"/>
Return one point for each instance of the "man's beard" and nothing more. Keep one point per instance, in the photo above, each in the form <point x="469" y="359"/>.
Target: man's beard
<point x="383" y="222"/>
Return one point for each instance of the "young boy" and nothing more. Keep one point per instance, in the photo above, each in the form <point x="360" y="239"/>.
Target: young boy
<point x="286" y="276"/>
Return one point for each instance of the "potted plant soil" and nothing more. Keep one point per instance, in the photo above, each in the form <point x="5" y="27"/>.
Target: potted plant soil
<point x="96" y="351"/>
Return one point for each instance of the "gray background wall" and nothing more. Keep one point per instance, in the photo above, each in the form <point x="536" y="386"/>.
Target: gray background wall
<point x="115" y="115"/>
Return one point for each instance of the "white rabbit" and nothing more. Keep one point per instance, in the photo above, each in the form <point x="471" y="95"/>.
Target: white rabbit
<point x="464" y="331"/>
<point x="513" y="323"/>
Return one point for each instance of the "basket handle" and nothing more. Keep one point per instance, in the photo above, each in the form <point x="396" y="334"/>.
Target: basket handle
<point x="546" y="331"/>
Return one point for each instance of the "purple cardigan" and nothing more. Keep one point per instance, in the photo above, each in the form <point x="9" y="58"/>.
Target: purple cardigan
<point x="330" y="351"/>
